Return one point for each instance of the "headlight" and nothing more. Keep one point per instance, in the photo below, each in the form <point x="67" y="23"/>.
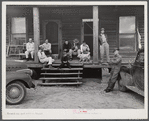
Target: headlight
<point x="27" y="71"/>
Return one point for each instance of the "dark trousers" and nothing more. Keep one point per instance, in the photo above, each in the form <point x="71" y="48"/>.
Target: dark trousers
<point x="67" y="64"/>
<point x="47" y="53"/>
<point x="114" y="76"/>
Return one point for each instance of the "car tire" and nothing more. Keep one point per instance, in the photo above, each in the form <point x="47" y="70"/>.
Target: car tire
<point x="15" y="93"/>
<point x="121" y="87"/>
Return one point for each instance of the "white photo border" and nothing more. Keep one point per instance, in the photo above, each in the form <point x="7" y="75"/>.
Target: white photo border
<point x="69" y="113"/>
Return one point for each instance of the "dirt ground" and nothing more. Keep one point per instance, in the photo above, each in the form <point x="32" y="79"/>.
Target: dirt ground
<point x="89" y="95"/>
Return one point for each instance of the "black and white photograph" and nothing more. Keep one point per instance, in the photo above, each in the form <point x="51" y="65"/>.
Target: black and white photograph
<point x="74" y="60"/>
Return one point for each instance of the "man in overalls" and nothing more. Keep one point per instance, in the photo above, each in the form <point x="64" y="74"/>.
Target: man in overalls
<point x="104" y="46"/>
<point x="116" y="65"/>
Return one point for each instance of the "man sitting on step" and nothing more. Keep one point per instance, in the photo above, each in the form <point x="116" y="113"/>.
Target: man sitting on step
<point x="43" y="58"/>
<point x="64" y="60"/>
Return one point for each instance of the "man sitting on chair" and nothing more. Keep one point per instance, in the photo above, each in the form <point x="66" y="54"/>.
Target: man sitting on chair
<point x="43" y="58"/>
<point x="29" y="49"/>
<point x="47" y="48"/>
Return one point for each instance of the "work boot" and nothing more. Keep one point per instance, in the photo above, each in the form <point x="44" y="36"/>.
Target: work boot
<point x="50" y="66"/>
<point x="70" y="59"/>
<point x="108" y="90"/>
<point x="27" y="59"/>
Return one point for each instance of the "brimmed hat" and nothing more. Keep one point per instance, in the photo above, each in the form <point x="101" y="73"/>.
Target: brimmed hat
<point x="102" y="29"/>
<point x="115" y="49"/>
<point x="76" y="41"/>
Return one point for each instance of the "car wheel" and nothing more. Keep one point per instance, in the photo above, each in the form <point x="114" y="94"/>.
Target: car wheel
<point x="121" y="86"/>
<point x="15" y="93"/>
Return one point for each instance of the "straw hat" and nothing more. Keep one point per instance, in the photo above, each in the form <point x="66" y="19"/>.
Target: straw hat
<point x="76" y="41"/>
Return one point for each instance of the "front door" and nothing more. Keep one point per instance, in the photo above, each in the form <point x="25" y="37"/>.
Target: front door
<point x="88" y="34"/>
<point x="53" y="34"/>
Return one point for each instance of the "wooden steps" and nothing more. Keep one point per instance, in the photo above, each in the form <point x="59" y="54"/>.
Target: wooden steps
<point x="74" y="69"/>
<point x="63" y="76"/>
<point x="60" y="73"/>
<point x="60" y="78"/>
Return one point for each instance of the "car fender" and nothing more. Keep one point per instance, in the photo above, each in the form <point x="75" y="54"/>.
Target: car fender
<point x="15" y="76"/>
<point x="126" y="78"/>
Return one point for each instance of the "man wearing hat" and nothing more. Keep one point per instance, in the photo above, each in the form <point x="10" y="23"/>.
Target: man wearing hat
<point x="75" y="47"/>
<point x="43" y="58"/>
<point x="116" y="65"/>
<point x="104" y="46"/>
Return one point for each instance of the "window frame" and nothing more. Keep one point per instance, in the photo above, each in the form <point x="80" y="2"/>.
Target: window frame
<point x="12" y="34"/>
<point x="135" y="33"/>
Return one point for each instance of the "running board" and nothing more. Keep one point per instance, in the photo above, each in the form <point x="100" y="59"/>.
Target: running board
<point x="135" y="89"/>
<point x="67" y="83"/>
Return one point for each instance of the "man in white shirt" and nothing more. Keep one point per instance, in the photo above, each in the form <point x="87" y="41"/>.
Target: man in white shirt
<point x="47" y="48"/>
<point x="85" y="52"/>
<point x="43" y="58"/>
<point x="30" y="49"/>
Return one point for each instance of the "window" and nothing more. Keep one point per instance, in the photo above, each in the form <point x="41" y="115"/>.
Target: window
<point x="18" y="31"/>
<point x="18" y="35"/>
<point x="127" y="33"/>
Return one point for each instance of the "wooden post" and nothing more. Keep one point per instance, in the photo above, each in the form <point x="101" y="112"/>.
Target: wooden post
<point x="36" y="31"/>
<point x="95" y="35"/>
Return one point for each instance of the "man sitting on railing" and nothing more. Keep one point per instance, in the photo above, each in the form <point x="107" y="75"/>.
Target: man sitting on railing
<point x="29" y="49"/>
<point x="43" y="58"/>
<point x="47" y="48"/>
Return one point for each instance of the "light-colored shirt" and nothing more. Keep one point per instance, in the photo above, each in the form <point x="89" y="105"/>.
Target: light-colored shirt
<point x="41" y="55"/>
<point x="103" y="38"/>
<point x="30" y="46"/>
<point x="84" y="48"/>
<point x="47" y="46"/>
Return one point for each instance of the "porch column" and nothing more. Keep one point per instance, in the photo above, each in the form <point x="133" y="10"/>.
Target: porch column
<point x="95" y="34"/>
<point x="36" y="31"/>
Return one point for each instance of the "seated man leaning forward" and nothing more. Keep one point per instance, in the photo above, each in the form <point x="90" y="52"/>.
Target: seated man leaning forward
<point x="64" y="61"/>
<point x="29" y="49"/>
<point x="67" y="48"/>
<point x="47" y="48"/>
<point x="85" y="52"/>
<point x="43" y="58"/>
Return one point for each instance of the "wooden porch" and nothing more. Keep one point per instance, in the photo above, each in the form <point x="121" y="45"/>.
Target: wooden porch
<point x="69" y="23"/>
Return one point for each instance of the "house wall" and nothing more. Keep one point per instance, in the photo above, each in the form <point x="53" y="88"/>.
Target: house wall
<point x="71" y="20"/>
<point x="70" y="17"/>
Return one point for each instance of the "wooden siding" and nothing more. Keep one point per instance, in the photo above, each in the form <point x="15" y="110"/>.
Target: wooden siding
<point x="141" y="29"/>
<point x="71" y="20"/>
<point x="108" y="20"/>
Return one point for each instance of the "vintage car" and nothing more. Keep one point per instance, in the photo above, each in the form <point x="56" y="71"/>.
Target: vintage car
<point x="18" y="78"/>
<point x="133" y="77"/>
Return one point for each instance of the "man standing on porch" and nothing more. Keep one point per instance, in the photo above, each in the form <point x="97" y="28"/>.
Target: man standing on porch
<point x="47" y="48"/>
<point x="29" y="49"/>
<point x="67" y="48"/>
<point x="104" y="46"/>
